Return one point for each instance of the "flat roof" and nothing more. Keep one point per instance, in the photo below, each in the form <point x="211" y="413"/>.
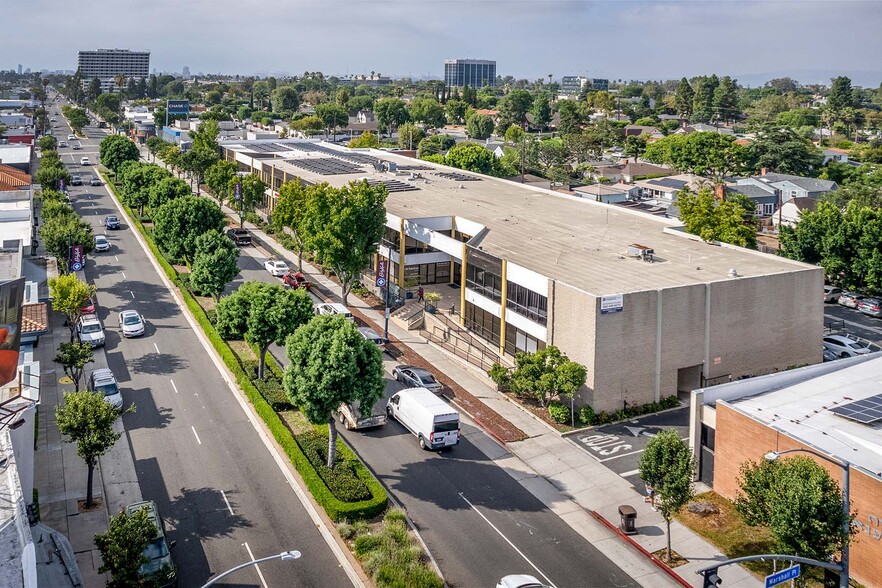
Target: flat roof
<point x="801" y="409"/>
<point x="567" y="238"/>
<point x="15" y="153"/>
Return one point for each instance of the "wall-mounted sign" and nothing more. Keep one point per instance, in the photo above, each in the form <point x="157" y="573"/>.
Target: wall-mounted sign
<point x="612" y="303"/>
<point x="718" y="360"/>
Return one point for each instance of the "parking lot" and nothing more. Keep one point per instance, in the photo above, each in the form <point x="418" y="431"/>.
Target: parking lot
<point x="854" y="323"/>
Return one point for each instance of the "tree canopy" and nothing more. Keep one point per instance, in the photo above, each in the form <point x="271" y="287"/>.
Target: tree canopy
<point x="116" y="149"/>
<point x="702" y="153"/>
<point x="215" y="263"/>
<point x="122" y="548"/>
<point x="179" y="222"/>
<point x="729" y="221"/>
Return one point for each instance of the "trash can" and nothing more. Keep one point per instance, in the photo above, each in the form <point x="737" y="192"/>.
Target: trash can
<point x="629" y="519"/>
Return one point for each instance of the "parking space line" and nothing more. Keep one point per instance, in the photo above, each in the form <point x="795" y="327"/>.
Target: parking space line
<point x="256" y="567"/>
<point x="631" y="473"/>
<point x="156" y="347"/>
<point x="173" y="386"/>
<point x="124" y="275"/>
<point x="196" y="434"/>
<point x="621" y="455"/>
<point x="229" y="508"/>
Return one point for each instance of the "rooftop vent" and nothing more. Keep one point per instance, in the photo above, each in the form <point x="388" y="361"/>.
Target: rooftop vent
<point x="733" y="273"/>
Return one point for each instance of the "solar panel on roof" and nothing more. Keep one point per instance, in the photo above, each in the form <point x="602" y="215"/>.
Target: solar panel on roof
<point x="393" y="185"/>
<point x="414" y="168"/>
<point x="866" y="411"/>
<point x="326" y="166"/>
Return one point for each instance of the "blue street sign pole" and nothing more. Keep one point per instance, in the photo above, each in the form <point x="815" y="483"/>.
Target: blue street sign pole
<point x="790" y="573"/>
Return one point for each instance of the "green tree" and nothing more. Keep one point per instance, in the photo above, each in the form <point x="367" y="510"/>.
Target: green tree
<point x="684" y="98"/>
<point x="841" y="95"/>
<point x="572" y="116"/>
<point x="198" y="160"/>
<point x="116" y="149"/>
<point x="154" y="145"/>
<point x="285" y="99"/>
<point x="51" y="172"/>
<point x="333" y="116"/>
<point x="635" y="146"/>
<point x="138" y="179"/>
<point x="47" y="143"/>
<point x="472" y="157"/>
<point x="706" y="154"/>
<point x="219" y="178"/>
<point x="545" y="375"/>
<point x="251" y="193"/>
<point x="122" y="549"/>
<point x="77" y="118"/>
<point x="62" y="231"/>
<point x="310" y="125"/>
<point x="331" y="363"/>
<point x="541" y="110"/>
<point x="456" y="110"/>
<point x="390" y="113"/>
<point x="409" y="136"/>
<point x="703" y="100"/>
<point x="165" y="189"/>
<point x="781" y="150"/>
<point x="513" y="108"/>
<point x="711" y="220"/>
<point x="480" y="127"/>
<point x="73" y="358"/>
<point x="292" y="214"/>
<point x="179" y="222"/>
<point x="799" y="503"/>
<point x="69" y="294"/>
<point x="87" y="419"/>
<point x="365" y="140"/>
<point x="667" y="465"/>
<point x="215" y="263"/>
<point x="427" y="111"/>
<point x="435" y="145"/>
<point x="725" y="101"/>
<point x="94" y="89"/>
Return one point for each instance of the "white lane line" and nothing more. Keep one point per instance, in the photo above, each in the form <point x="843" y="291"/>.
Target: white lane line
<point x="117" y="257"/>
<point x="156" y="347"/>
<point x="229" y="508"/>
<point x="631" y="473"/>
<point x="521" y="553"/>
<point x="256" y="567"/>
<point x="123" y="273"/>
<point x="133" y="294"/>
<point x="173" y="386"/>
<point x="194" y="432"/>
<point x="620" y="455"/>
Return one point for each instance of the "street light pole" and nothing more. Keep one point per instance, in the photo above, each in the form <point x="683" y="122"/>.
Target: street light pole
<point x="846" y="502"/>
<point x="285" y="556"/>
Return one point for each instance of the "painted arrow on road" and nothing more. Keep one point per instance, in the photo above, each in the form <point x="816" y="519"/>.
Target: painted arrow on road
<point x="635" y="430"/>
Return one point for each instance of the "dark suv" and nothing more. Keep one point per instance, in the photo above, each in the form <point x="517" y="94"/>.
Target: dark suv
<point x="160" y="564"/>
<point x="111" y="222"/>
<point x="239" y="236"/>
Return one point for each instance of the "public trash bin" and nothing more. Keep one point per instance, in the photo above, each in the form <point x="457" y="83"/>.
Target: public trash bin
<point x="629" y="519"/>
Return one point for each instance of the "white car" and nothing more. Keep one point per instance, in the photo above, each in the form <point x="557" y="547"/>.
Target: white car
<point x="103" y="381"/>
<point x="71" y="137"/>
<point x="520" y="581"/>
<point x="85" y="161"/>
<point x="131" y="323"/>
<point x="89" y="330"/>
<point x="276" y="267"/>
<point x="845" y="346"/>
<point x="101" y="243"/>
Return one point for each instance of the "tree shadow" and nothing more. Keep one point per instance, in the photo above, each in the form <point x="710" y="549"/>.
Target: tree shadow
<point x="147" y="414"/>
<point x="153" y="300"/>
<point x="157" y="364"/>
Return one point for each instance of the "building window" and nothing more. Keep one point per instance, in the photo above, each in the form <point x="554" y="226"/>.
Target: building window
<point x="484" y="282"/>
<point x="768" y="209"/>
<point x="793" y="193"/>
<point x="517" y="341"/>
<point x="527" y="303"/>
<point x="482" y="323"/>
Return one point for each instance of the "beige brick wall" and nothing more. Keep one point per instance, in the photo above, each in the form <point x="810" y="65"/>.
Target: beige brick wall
<point x="571" y="315"/>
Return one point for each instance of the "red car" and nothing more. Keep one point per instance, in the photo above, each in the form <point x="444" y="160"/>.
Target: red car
<point x="296" y="280"/>
<point x="89" y="307"/>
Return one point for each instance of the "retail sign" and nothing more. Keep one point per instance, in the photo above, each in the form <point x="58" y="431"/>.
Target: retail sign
<point x="612" y="303"/>
<point x="381" y="272"/>
<point x="790" y="573"/>
<point x="76" y="258"/>
<point x="871" y="527"/>
<point x="177" y="106"/>
<point x="11" y="296"/>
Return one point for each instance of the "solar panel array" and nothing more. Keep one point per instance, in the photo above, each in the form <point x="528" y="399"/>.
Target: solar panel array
<point x="457" y="177"/>
<point x="414" y="168"/>
<point x="268" y="147"/>
<point x="393" y="185"/>
<point x="325" y="166"/>
<point x="866" y="411"/>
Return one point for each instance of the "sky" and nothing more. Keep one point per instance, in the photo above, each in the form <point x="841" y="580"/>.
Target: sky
<point x="809" y="40"/>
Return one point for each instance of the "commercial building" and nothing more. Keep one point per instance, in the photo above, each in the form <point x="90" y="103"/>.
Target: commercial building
<point x="475" y="73"/>
<point x="647" y="308"/>
<point x="575" y="85"/>
<point x="832" y="408"/>
<point x="106" y="64"/>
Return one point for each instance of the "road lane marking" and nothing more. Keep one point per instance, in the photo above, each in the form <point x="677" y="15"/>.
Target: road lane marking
<point x="156" y="347"/>
<point x="197" y="435"/>
<point x="117" y="257"/>
<point x="173" y="386"/>
<point x="631" y="473"/>
<point x="123" y="274"/>
<point x="256" y="567"/>
<point x="521" y="553"/>
<point x="133" y="294"/>
<point x="229" y="508"/>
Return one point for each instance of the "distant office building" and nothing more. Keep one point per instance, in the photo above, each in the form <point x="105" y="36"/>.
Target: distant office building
<point x="572" y="85"/>
<point x="598" y="84"/>
<point x="19" y="69"/>
<point x="185" y="73"/>
<point x="475" y="73"/>
<point x="106" y="64"/>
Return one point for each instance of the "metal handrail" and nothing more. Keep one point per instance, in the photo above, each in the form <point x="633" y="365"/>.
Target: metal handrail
<point x="481" y="358"/>
<point x="463" y="334"/>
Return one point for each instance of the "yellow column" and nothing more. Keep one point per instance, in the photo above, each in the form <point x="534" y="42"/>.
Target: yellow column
<point x="452" y="235"/>
<point x="462" y="286"/>
<point x="502" y="310"/>
<point x="401" y="244"/>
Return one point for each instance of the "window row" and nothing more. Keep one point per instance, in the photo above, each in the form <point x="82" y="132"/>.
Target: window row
<point x="483" y="282"/>
<point x="527" y="303"/>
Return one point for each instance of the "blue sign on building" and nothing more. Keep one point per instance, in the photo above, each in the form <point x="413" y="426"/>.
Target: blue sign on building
<point x="780" y="577"/>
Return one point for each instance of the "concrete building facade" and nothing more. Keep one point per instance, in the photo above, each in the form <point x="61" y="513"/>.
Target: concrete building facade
<point x="106" y="64"/>
<point x="649" y="310"/>
<point x="475" y="73"/>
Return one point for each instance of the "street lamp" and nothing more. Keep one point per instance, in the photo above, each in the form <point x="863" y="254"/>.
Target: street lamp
<point x="846" y="510"/>
<point x="284" y="556"/>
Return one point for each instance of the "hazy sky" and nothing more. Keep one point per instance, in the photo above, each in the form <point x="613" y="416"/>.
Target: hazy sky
<point x="621" y="39"/>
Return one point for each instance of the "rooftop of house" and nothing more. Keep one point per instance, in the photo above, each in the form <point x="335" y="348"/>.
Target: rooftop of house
<point x="673" y="182"/>
<point x="637" y="169"/>
<point x="604" y="189"/>
<point x="12" y="178"/>
<point x="751" y="190"/>
<point x="15" y="153"/>
<point x="575" y="240"/>
<point x="808" y="184"/>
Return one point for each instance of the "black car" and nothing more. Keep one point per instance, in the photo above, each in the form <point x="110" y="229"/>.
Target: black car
<point x="95" y="181"/>
<point x="111" y="222"/>
<point x="239" y="236"/>
<point x="76" y="181"/>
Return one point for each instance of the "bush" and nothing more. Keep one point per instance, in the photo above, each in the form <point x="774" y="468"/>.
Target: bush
<point x="342" y="480"/>
<point x="559" y="413"/>
<point x="587" y="415"/>
<point x="272" y="391"/>
<point x="501" y="375"/>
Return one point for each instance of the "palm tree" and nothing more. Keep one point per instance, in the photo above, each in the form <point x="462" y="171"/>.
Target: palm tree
<point x="120" y="80"/>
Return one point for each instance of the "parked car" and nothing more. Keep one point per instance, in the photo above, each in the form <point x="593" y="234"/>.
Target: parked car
<point x="416" y="377"/>
<point x="832" y="294"/>
<point x="101" y="243"/>
<point x="95" y="181"/>
<point x="160" y="564"/>
<point x="871" y="307"/>
<point x="276" y="267"/>
<point x="296" y="280"/>
<point x="71" y="137"/>
<point x="111" y="222"/>
<point x="103" y="381"/>
<point x="429" y="418"/>
<point x="845" y="346"/>
<point x="829" y="355"/>
<point x="62" y="143"/>
<point x="332" y="309"/>
<point x="239" y="236"/>
<point x="520" y="581"/>
<point x="76" y="181"/>
<point x="76" y="146"/>
<point x="131" y="323"/>
<point x="89" y="307"/>
<point x="371" y="335"/>
<point x="89" y="330"/>
<point x="850" y="299"/>
<point x="85" y="161"/>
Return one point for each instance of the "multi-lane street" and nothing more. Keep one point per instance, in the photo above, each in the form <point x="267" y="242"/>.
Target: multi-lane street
<point x="195" y="451"/>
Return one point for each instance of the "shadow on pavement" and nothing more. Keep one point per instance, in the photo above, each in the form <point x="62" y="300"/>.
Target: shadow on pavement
<point x="147" y="415"/>
<point x="153" y="300"/>
<point x="157" y="364"/>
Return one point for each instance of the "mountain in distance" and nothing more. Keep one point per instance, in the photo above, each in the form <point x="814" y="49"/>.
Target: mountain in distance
<point x="865" y="79"/>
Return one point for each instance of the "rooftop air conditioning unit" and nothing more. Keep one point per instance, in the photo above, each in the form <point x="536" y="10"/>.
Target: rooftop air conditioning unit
<point x="642" y="251"/>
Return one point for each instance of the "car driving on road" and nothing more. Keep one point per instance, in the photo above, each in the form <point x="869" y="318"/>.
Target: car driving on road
<point x="239" y="236"/>
<point x="276" y="267"/>
<point x="111" y="222"/>
<point x="62" y="143"/>
<point x="296" y="280"/>
<point x="414" y="377"/>
<point x="76" y="181"/>
<point x="131" y="323"/>
<point x="85" y="161"/>
<point x="95" y="181"/>
<point x="845" y="346"/>
<point x="101" y="243"/>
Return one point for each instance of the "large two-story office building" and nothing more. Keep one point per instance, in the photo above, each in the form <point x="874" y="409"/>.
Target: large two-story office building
<point x="648" y="309"/>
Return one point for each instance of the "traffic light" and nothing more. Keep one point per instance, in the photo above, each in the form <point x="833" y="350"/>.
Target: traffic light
<point x="711" y="579"/>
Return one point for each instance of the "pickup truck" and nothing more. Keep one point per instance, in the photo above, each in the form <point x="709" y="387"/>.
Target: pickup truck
<point x="351" y="418"/>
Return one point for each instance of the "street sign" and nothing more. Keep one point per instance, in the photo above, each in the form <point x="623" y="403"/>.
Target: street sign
<point x="238" y="190"/>
<point x="381" y="272"/>
<point x="780" y="577"/>
<point x="381" y="282"/>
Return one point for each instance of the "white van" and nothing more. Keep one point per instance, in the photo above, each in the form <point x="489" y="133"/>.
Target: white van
<point x="425" y="415"/>
<point x="332" y="309"/>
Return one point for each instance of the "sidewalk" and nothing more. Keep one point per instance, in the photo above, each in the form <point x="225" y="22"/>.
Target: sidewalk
<point x="560" y="474"/>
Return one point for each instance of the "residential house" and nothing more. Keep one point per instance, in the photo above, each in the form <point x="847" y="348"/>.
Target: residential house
<point x="495" y="147"/>
<point x="793" y="186"/>
<point x="837" y="155"/>
<point x="662" y="192"/>
<point x="764" y="196"/>
<point x="605" y="193"/>
<point x="703" y="128"/>
<point x="790" y="210"/>
<point x="637" y="130"/>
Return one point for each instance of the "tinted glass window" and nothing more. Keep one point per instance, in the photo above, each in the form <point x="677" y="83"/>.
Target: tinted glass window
<point x="446" y="426"/>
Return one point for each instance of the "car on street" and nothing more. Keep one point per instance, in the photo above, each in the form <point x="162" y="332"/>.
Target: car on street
<point x="103" y="381"/>
<point x="71" y="137"/>
<point x="832" y="294"/>
<point x="111" y="222"/>
<point x="131" y="323"/>
<point x="95" y="181"/>
<point x="296" y="280"/>
<point x="76" y="181"/>
<point x="101" y="243"/>
<point x="276" y="267"/>
<point x="77" y="146"/>
<point x="415" y="377"/>
<point x="850" y="299"/>
<point x="239" y="236"/>
<point x="520" y="581"/>
<point x="89" y="306"/>
<point x="53" y="119"/>
<point x="62" y="143"/>
<point x="871" y="307"/>
<point x="159" y="565"/>
<point x="371" y="335"/>
<point x="829" y="355"/>
<point x="845" y="346"/>
<point x="84" y="161"/>
<point x="89" y="330"/>
<point x="333" y="309"/>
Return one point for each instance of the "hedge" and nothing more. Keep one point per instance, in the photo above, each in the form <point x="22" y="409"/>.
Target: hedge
<point x="334" y="507"/>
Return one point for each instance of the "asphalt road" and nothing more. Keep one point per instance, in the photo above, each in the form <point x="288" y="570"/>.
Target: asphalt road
<point x="855" y="322"/>
<point x="478" y="522"/>
<point x="195" y="452"/>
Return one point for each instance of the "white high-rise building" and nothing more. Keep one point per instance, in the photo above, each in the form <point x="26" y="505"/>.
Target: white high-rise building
<point x="107" y="64"/>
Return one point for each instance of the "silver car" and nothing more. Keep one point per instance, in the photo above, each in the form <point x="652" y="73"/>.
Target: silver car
<point x="414" y="377"/>
<point x="845" y="346"/>
<point x="131" y="323"/>
<point x="101" y="243"/>
<point x="89" y="330"/>
<point x="102" y="381"/>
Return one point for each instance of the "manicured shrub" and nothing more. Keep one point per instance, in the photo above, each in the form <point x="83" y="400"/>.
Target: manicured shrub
<point x="559" y="413"/>
<point x="342" y="481"/>
<point x="587" y="415"/>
